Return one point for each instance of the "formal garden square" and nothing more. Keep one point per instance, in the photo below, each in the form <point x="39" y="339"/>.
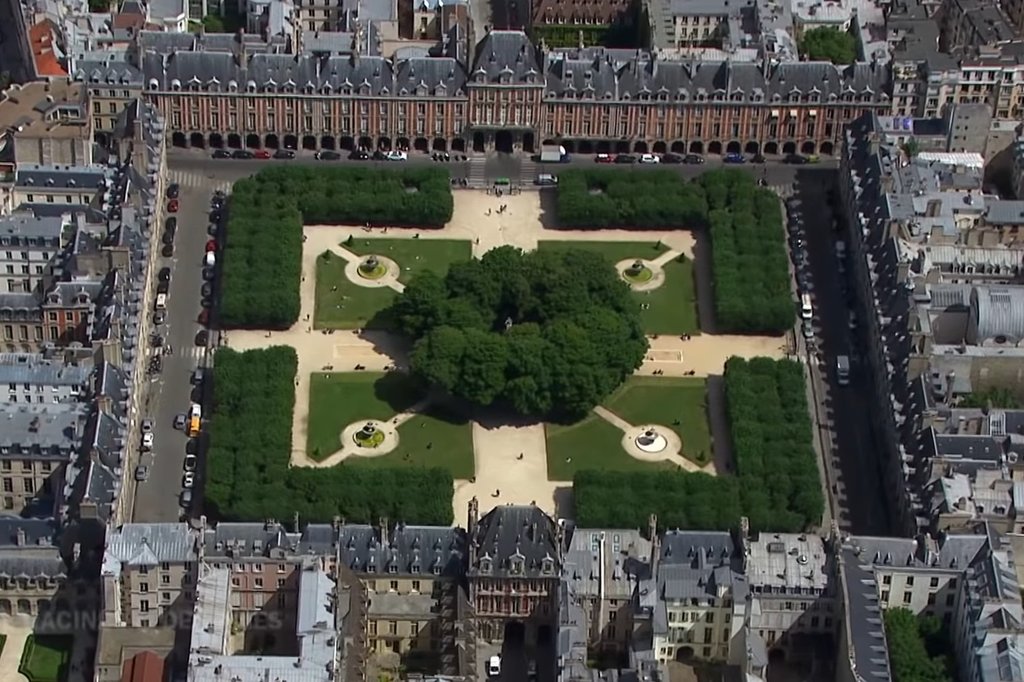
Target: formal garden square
<point x="343" y="303"/>
<point x="670" y="308"/>
<point x="45" y="658"/>
<point x="434" y="436"/>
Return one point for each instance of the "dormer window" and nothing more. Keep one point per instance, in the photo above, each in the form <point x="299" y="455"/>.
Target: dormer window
<point x="485" y="565"/>
<point x="309" y="89"/>
<point x="175" y="84"/>
<point x="392" y="567"/>
<point x="415" y="568"/>
<point x="153" y="84"/>
<point x="232" y="86"/>
<point x="327" y="88"/>
<point x="250" y="87"/>
<point x="515" y="566"/>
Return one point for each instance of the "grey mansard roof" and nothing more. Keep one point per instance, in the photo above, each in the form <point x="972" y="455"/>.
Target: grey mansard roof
<point x="33" y="369"/>
<point x="148" y="544"/>
<point x="54" y="429"/>
<point x="506" y="53"/>
<point x="512" y="534"/>
<point x="441" y="76"/>
<point x="407" y="550"/>
<point x="613" y="74"/>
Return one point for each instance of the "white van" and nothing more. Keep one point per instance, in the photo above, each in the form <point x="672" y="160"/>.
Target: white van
<point x="806" y="311"/>
<point x="195" y="410"/>
<point x="209" y="260"/>
<point x="161" y="302"/>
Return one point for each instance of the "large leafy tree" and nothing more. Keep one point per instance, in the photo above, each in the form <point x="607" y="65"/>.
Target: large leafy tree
<point x="908" y="638"/>
<point x="546" y="333"/>
<point x="828" y="44"/>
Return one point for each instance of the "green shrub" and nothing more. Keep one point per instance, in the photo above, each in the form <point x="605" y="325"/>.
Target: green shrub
<point x="605" y="197"/>
<point x="248" y="472"/>
<point x="749" y="265"/>
<point x="262" y="263"/>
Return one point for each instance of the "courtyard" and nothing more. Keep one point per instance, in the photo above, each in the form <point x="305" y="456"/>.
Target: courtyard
<point x="354" y="405"/>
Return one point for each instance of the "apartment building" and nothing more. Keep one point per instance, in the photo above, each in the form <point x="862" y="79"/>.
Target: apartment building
<point x="37" y="378"/>
<point x="967" y="581"/>
<point x="34" y="578"/>
<point x="510" y="97"/>
<point x="48" y="123"/>
<point x="149" y="575"/>
<point x="38" y="441"/>
<point x="113" y="83"/>
<point x="602" y="569"/>
<point x="974" y="23"/>
<point x="31" y="248"/>
<point x="413" y="594"/>
<point x="72" y="188"/>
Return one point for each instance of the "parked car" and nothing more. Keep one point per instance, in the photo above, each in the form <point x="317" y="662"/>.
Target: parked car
<point x="204" y="314"/>
<point x="188" y="481"/>
<point x="650" y="158"/>
<point x="179" y="421"/>
<point x="167" y="251"/>
<point x="164" y="275"/>
<point x="397" y="155"/>
<point x="625" y="158"/>
<point x="190" y="463"/>
<point x="141" y="473"/>
<point x="192" y="446"/>
<point x="208" y="273"/>
<point x="212" y="229"/>
<point x="494" y="666"/>
<point x="604" y="158"/>
<point x="147" y="425"/>
<point x="241" y="154"/>
<point x="202" y="337"/>
<point x="808" y="330"/>
<point x="358" y="155"/>
<point x="734" y="157"/>
<point x="794" y="159"/>
<point x="207" y="289"/>
<point x="671" y="158"/>
<point x="210" y="259"/>
<point x="216" y="216"/>
<point x="261" y="154"/>
<point x="813" y="158"/>
<point x="197" y="375"/>
<point x="693" y="159"/>
<point x="758" y="158"/>
<point x="163" y="287"/>
<point x="172" y="190"/>
<point x="147" y="441"/>
<point x="211" y="245"/>
<point x="546" y="180"/>
<point x="379" y="155"/>
<point x="186" y="499"/>
<point x="159" y="317"/>
<point x="284" y="154"/>
<point x="221" y="154"/>
<point x="172" y="206"/>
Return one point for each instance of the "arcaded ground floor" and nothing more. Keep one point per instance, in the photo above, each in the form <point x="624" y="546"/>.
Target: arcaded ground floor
<point x="497" y="140"/>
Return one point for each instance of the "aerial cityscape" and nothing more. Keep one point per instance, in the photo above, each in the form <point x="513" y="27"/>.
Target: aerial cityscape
<point x="511" y="340"/>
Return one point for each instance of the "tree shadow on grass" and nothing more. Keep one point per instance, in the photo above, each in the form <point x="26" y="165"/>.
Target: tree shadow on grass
<point x="399" y="390"/>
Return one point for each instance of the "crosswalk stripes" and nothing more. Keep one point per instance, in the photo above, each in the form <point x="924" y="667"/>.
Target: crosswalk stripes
<point x="196" y="181"/>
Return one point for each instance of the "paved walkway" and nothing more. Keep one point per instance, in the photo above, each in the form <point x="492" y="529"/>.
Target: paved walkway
<point x="10" y="658"/>
<point x="670" y="454"/>
<point x="496" y="452"/>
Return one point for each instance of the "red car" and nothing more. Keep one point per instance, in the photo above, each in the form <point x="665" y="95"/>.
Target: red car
<point x="211" y="245"/>
<point x="604" y="158"/>
<point x="204" y="316"/>
<point x="261" y="154"/>
<point x="172" y="206"/>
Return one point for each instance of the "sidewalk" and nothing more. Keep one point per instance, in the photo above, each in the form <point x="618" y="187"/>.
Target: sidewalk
<point x="10" y="658"/>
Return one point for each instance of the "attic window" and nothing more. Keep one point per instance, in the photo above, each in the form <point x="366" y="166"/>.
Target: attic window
<point x="327" y="88"/>
<point x="232" y="86"/>
<point x="153" y="84"/>
<point x="309" y="89"/>
<point x="250" y="87"/>
<point x="176" y="85"/>
<point x="194" y="86"/>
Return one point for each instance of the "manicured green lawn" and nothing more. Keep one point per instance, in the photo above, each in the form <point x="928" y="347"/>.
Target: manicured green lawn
<point x="435" y="438"/>
<point x="337" y="399"/>
<point x="679" y="403"/>
<point x="340" y="303"/>
<point x="591" y="443"/>
<point x="672" y="306"/>
<point x="343" y="304"/>
<point x="45" y="658"/>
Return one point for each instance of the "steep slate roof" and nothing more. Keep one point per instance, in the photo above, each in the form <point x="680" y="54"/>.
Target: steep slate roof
<point x="616" y="74"/>
<point x="148" y="544"/>
<point x="42" y="430"/>
<point x="34" y="369"/>
<point x="509" y="535"/>
<point x="406" y="550"/>
<point x="506" y="54"/>
<point x="282" y="73"/>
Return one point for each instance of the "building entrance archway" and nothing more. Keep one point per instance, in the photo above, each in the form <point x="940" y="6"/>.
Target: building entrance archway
<point x="504" y="141"/>
<point x="789" y="148"/>
<point x="733" y="147"/>
<point x="216" y="140"/>
<point x="197" y="140"/>
<point x="478" y="142"/>
<point x="252" y="141"/>
<point x="271" y="141"/>
<point x="696" y="147"/>
<point x="234" y="140"/>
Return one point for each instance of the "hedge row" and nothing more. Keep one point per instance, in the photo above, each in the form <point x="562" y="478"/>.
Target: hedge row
<point x="248" y="473"/>
<point x="605" y="197"/>
<point x="263" y="255"/>
<point x="777" y="486"/>
<point x="750" y="269"/>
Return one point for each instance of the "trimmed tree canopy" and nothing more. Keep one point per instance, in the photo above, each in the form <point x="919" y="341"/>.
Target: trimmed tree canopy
<point x="827" y="44"/>
<point x="548" y="333"/>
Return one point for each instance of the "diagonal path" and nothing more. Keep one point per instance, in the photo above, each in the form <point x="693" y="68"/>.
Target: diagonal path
<point x="628" y="432"/>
